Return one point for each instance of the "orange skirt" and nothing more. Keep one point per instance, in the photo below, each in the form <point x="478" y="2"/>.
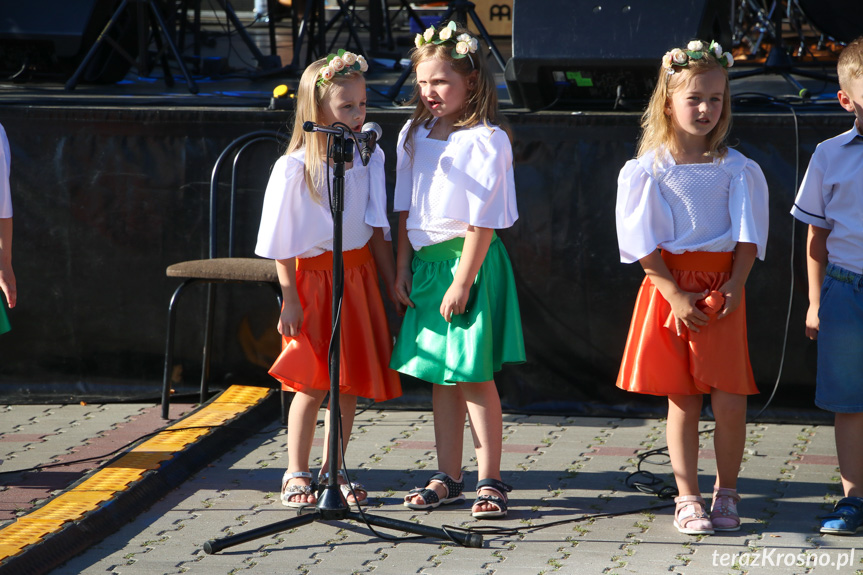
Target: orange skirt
<point x="366" y="343"/>
<point x="657" y="361"/>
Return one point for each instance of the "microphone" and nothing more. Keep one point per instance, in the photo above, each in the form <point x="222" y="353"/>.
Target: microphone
<point x="369" y="136"/>
<point x="374" y="132"/>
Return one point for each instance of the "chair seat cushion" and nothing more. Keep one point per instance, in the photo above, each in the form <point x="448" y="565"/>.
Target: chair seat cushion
<point x="229" y="269"/>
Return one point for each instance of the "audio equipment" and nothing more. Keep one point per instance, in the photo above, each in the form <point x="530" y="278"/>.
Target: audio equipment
<point x="602" y="53"/>
<point x="50" y="37"/>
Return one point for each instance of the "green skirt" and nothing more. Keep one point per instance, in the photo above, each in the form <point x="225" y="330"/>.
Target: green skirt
<point x="4" y="321"/>
<point x="476" y="343"/>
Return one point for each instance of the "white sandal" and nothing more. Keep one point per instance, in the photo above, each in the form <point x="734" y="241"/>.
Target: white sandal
<point x="690" y="517"/>
<point x="347" y="488"/>
<point x="289" y="491"/>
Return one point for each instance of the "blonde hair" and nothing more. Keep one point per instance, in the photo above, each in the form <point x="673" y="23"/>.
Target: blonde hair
<point x="850" y="65"/>
<point x="310" y="95"/>
<point x="481" y="106"/>
<point x="657" y="130"/>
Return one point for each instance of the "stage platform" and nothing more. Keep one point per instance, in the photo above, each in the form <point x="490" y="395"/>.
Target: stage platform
<point x="110" y="186"/>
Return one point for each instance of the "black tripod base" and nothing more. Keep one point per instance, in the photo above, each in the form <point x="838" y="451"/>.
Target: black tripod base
<point x="473" y="540"/>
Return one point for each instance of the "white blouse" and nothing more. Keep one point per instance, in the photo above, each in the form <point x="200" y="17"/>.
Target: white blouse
<point x="5" y="168"/>
<point x="467" y="178"/>
<point x="425" y="225"/>
<point x="293" y="224"/>
<point x="690" y="207"/>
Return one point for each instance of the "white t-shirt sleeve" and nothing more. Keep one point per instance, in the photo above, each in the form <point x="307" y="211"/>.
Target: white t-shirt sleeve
<point x="643" y="218"/>
<point x="292" y="222"/>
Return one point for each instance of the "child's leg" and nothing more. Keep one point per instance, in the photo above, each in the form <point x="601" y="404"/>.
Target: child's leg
<point x="729" y="437"/>
<point x="681" y="432"/>
<point x="847" y="515"/>
<point x="301" y="431"/>
<point x="486" y="424"/>
<point x="848" y="430"/>
<point x="449" y="408"/>
<point x="347" y="410"/>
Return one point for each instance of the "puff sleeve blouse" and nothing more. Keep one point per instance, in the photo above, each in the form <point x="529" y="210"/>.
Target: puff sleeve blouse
<point x="477" y="185"/>
<point x="293" y="224"/>
<point x="690" y="207"/>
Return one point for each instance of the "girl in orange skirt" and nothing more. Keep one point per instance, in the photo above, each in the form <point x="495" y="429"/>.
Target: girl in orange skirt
<point x="297" y="231"/>
<point x="694" y="214"/>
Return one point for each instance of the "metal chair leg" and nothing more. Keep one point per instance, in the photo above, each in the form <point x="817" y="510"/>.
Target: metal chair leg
<point x="169" y="347"/>
<point x="208" y="341"/>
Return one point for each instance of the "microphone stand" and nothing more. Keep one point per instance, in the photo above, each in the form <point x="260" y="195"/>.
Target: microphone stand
<point x="331" y="503"/>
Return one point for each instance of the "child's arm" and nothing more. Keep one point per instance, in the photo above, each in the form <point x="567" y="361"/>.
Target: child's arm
<point x="816" y="266"/>
<point x="291" y="317"/>
<point x="744" y="257"/>
<point x="682" y="302"/>
<point x="476" y="244"/>
<point x="404" y="256"/>
<point x="382" y="252"/>
<point x="7" y="276"/>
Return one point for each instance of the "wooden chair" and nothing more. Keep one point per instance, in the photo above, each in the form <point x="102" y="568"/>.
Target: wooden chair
<point x="215" y="269"/>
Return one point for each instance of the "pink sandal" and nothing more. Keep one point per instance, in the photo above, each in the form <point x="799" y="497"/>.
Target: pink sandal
<point x="723" y="510"/>
<point x="690" y="517"/>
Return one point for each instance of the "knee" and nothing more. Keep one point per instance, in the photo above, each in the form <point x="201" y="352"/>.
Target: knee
<point x="688" y="404"/>
<point x="729" y="406"/>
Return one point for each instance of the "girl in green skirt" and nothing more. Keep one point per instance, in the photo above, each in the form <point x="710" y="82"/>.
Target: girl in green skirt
<point x="454" y="188"/>
<point x="7" y="276"/>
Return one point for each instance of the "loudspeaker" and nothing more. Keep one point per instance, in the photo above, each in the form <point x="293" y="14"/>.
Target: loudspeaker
<point x="602" y="53"/>
<point x="51" y="37"/>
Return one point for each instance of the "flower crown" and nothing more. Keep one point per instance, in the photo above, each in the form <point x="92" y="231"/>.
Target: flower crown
<point x="465" y="44"/>
<point x="342" y="63"/>
<point x="695" y="50"/>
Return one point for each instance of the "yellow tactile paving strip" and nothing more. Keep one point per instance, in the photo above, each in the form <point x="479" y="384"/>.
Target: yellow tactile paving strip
<point x="105" y="483"/>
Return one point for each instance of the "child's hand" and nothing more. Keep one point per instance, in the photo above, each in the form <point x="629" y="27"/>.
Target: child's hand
<point x="8" y="285"/>
<point x="404" y="283"/>
<point x="686" y="313"/>
<point x="393" y="296"/>
<point x="733" y="292"/>
<point x="291" y="318"/>
<point x="813" y="324"/>
<point x="454" y="301"/>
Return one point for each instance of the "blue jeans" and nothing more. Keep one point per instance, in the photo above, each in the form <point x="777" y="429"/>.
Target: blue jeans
<point x="840" y="342"/>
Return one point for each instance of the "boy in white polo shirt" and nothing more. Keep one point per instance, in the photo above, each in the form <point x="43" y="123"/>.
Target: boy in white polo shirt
<point x="830" y="200"/>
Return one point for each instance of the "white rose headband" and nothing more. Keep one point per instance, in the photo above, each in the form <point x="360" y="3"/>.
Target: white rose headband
<point x="342" y="63"/>
<point x="695" y="50"/>
<point x="463" y="46"/>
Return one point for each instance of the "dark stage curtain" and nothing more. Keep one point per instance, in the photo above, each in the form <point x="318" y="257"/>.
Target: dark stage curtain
<point x="105" y="199"/>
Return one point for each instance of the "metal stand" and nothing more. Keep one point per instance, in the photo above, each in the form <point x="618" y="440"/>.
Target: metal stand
<point x="778" y="61"/>
<point x="458" y="10"/>
<point x="264" y="62"/>
<point x="331" y="504"/>
<point x="162" y="34"/>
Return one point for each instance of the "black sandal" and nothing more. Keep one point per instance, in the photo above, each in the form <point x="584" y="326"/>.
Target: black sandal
<point x="500" y="500"/>
<point x="453" y="492"/>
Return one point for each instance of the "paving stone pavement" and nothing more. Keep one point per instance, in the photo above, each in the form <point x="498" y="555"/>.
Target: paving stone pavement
<point x="561" y="469"/>
<point x="79" y="435"/>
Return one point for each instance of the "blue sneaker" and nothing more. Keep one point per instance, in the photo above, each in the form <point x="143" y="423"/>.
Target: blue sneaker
<point x="846" y="519"/>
